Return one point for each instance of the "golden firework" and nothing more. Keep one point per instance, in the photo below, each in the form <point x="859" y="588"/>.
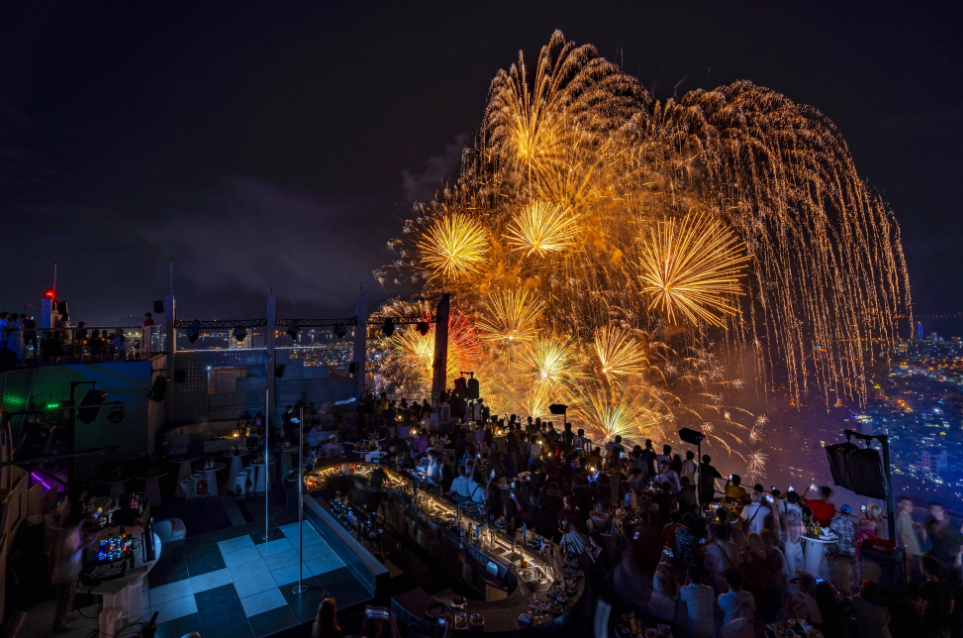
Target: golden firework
<point x="510" y="316"/>
<point x="552" y="360"/>
<point x="693" y="268"/>
<point x="454" y="247"/>
<point x="564" y="195"/>
<point x="543" y="228"/>
<point x="618" y="353"/>
<point x="607" y="412"/>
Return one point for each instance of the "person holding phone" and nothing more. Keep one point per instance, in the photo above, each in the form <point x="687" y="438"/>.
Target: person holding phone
<point x="818" y="501"/>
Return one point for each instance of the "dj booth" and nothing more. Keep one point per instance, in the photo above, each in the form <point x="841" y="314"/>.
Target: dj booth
<point x="115" y="568"/>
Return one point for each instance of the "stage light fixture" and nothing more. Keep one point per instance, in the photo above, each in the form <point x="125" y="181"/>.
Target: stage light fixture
<point x="423" y="327"/>
<point x="339" y="331"/>
<point x="194" y="332"/>
<point x="293" y="329"/>
<point x="389" y="328"/>
<point x="240" y="334"/>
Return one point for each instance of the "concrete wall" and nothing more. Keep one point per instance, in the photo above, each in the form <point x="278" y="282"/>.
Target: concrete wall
<point x="126" y="381"/>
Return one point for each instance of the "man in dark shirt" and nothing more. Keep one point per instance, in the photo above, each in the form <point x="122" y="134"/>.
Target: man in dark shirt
<point x="648" y="456"/>
<point x="389" y="415"/>
<point x="567" y="437"/>
<point x="707" y="477"/>
<point x="945" y="536"/>
<point x="29" y="327"/>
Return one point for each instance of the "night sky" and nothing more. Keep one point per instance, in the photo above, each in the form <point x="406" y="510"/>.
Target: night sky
<point x="281" y="144"/>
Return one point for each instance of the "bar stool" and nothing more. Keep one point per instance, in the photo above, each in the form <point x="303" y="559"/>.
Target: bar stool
<point x="239" y="487"/>
<point x="200" y="484"/>
<point x="187" y="486"/>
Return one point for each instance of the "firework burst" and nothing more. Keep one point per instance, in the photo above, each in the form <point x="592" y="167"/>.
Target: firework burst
<point x="510" y="317"/>
<point x="543" y="228"/>
<point x="693" y="269"/>
<point x="454" y="247"/>
<point x="588" y="215"/>
<point x="756" y="469"/>
<point x="618" y="353"/>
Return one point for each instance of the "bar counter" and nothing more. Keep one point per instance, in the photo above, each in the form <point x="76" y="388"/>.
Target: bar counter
<point x="509" y="580"/>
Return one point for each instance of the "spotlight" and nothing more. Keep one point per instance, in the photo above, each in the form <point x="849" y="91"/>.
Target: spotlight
<point x="422" y="327"/>
<point x="293" y="329"/>
<point x="194" y="331"/>
<point x="339" y="331"/>
<point x="239" y="334"/>
<point x="116" y="414"/>
<point x="389" y="328"/>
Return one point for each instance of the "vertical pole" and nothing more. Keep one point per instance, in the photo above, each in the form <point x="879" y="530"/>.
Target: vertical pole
<point x="890" y="513"/>
<point x="300" y="588"/>
<point x="171" y="332"/>
<point x="698" y="487"/>
<point x="267" y="469"/>
<point x="55" y="282"/>
<point x="361" y="341"/>
<point x="440" y="364"/>
<point x="270" y="359"/>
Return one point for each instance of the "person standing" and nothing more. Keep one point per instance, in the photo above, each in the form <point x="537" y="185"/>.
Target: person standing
<point x="700" y="601"/>
<point x="935" y="600"/>
<point x="739" y="608"/>
<point x="945" y="537"/>
<point x="147" y="331"/>
<point x="689" y="467"/>
<point x="823" y="510"/>
<point x="721" y="554"/>
<point x="906" y="535"/>
<point x="29" y="327"/>
<point x="707" y="480"/>
<point x="669" y="476"/>
<point x="844" y="529"/>
<point x="68" y="559"/>
<point x="755" y="513"/>
<point x="15" y="336"/>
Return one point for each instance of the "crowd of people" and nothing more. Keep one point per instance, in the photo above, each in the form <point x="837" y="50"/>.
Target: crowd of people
<point x="21" y="339"/>
<point x="703" y="552"/>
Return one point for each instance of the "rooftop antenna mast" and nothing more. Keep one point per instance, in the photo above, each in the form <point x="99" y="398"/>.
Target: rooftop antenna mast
<point x="172" y="277"/>
<point x="55" y="281"/>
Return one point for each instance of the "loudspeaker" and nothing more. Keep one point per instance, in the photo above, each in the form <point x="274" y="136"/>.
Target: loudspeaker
<point x="159" y="307"/>
<point x="473" y="389"/>
<point x="353" y="367"/>
<point x="866" y="472"/>
<point x="888" y="569"/>
<point x="158" y="389"/>
<point x="180" y="375"/>
<point x="691" y="436"/>
<point x="279" y="370"/>
<point x="838" y="464"/>
<point x="90" y="406"/>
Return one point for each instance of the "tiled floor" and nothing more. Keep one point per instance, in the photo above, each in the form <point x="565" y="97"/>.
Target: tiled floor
<point x="230" y="583"/>
<point x="242" y="586"/>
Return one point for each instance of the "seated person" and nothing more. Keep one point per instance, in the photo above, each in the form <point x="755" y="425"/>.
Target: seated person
<point x="735" y="493"/>
<point x="332" y="449"/>
<point x="127" y="516"/>
<point x="314" y="437"/>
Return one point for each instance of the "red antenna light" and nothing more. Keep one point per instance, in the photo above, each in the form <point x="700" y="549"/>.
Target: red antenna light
<point x="49" y="294"/>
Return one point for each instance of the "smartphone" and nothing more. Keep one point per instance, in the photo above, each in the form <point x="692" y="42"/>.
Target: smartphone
<point x="862" y="508"/>
<point x="773" y="488"/>
<point x="730" y="477"/>
<point x="479" y="455"/>
<point x="791" y="488"/>
<point x="769" y="498"/>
